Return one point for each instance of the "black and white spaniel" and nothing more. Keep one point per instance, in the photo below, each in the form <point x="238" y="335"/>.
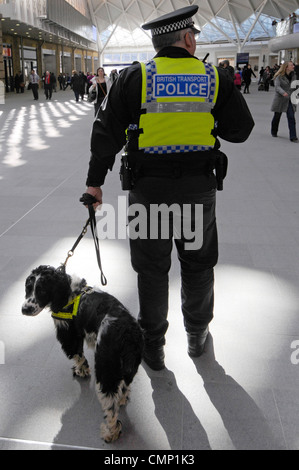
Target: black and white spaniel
<point x="83" y="313"/>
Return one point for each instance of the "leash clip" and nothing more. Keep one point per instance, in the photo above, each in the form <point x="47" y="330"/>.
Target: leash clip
<point x="69" y="255"/>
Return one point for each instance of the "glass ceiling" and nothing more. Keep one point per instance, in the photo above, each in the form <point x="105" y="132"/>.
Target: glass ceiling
<point x="117" y="37"/>
<point x="263" y="29"/>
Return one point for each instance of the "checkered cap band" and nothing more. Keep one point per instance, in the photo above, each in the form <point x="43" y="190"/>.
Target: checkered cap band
<point x="169" y="28"/>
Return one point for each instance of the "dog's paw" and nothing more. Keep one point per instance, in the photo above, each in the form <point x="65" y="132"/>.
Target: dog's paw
<point x="125" y="393"/>
<point x="111" y="434"/>
<point x="81" y="369"/>
<point x="124" y="401"/>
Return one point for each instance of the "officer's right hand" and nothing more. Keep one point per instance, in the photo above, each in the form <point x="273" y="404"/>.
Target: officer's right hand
<point x="97" y="193"/>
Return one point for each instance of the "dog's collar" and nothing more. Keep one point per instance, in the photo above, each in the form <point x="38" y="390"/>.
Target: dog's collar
<point x="69" y="311"/>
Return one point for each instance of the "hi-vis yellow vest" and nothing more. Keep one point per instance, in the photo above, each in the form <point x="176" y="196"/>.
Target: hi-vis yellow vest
<point x="176" y="105"/>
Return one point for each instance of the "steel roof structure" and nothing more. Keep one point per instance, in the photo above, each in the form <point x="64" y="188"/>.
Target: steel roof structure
<point x="233" y="21"/>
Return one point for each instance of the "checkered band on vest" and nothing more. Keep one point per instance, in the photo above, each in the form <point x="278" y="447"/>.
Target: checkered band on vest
<point x="132" y="127"/>
<point x="169" y="28"/>
<point x="176" y="149"/>
<point x="151" y="70"/>
<point x="211" y="71"/>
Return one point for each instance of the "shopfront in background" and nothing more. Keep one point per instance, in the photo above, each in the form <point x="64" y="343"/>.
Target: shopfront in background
<point x="29" y="62"/>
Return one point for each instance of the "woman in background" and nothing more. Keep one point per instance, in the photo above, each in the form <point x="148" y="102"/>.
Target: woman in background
<point x="282" y="102"/>
<point x="101" y="84"/>
<point x="246" y="75"/>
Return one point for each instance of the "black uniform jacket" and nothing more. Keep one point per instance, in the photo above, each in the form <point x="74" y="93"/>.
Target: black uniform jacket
<point x="122" y="107"/>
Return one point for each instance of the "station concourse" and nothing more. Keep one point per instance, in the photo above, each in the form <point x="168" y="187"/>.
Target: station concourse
<point x="242" y="394"/>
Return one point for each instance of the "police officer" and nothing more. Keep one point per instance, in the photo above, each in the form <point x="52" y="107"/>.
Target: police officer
<point x="169" y="113"/>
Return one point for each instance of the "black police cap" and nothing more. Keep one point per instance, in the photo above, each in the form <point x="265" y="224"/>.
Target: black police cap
<point x="174" y="21"/>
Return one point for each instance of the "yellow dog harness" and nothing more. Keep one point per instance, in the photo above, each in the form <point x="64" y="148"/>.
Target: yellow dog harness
<point x="69" y="311"/>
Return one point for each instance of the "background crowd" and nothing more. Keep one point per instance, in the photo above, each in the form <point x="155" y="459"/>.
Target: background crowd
<point x="98" y="85"/>
<point x="243" y="76"/>
<point x="63" y="81"/>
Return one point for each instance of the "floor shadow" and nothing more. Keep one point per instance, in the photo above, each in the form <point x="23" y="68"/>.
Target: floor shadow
<point x="80" y="425"/>
<point x="246" y="425"/>
<point x="175" y="414"/>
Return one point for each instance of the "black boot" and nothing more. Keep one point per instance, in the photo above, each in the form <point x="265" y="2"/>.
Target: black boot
<point x="154" y="357"/>
<point x="196" y="342"/>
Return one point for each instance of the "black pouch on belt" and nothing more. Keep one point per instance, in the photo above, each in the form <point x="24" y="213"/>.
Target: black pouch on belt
<point x="221" y="166"/>
<point x="126" y="175"/>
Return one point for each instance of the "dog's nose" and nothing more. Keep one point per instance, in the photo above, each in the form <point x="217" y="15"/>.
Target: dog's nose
<point x="28" y="309"/>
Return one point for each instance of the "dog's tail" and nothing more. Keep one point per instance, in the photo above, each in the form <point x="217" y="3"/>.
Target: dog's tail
<point x="130" y="360"/>
<point x="131" y="353"/>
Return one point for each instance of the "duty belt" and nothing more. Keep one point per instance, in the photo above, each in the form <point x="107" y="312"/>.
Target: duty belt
<point x="174" y="170"/>
<point x="175" y="166"/>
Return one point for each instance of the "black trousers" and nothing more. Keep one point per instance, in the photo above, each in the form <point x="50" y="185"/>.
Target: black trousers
<point x="151" y="256"/>
<point x="291" y="121"/>
<point x="48" y="91"/>
<point x="34" y="88"/>
<point x="246" y="87"/>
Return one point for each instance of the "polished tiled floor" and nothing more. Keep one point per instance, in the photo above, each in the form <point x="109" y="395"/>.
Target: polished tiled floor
<point x="243" y="392"/>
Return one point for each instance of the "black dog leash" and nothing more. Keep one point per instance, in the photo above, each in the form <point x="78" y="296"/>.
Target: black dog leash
<point x="89" y="200"/>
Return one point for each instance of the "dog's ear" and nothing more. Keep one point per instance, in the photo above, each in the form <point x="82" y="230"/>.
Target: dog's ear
<point x="61" y="291"/>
